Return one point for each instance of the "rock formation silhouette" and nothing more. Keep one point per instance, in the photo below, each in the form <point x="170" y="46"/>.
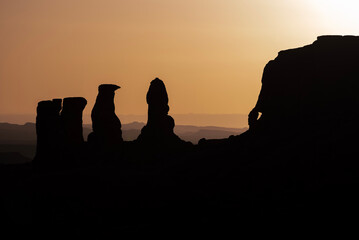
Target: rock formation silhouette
<point x="107" y="134"/>
<point x="312" y="88"/>
<point x="71" y="117"/>
<point x="297" y="161"/>
<point x="60" y="140"/>
<point x="72" y="139"/>
<point x="48" y="131"/>
<point x="158" y="132"/>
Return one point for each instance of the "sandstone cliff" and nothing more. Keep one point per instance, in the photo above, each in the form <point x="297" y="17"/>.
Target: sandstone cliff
<point x="312" y="89"/>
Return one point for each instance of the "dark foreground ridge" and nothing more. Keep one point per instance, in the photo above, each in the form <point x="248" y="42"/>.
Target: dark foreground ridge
<point x="297" y="161"/>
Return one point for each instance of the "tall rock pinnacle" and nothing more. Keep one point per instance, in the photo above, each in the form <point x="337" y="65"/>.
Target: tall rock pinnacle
<point x="105" y="124"/>
<point x="159" y="128"/>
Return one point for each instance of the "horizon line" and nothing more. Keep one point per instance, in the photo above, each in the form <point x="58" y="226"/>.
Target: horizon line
<point x="135" y="114"/>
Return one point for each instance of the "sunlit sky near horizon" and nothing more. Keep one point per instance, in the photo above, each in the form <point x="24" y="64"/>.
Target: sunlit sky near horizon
<point x="210" y="54"/>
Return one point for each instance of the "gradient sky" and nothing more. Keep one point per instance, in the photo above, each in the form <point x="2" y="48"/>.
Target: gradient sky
<point x="210" y="54"/>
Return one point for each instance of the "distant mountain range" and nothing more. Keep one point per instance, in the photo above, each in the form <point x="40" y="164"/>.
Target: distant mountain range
<point x="18" y="142"/>
<point x="220" y="120"/>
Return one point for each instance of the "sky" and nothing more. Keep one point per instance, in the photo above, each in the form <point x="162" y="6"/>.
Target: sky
<point x="209" y="53"/>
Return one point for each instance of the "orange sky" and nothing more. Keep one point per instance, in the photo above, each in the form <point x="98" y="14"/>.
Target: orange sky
<point x="210" y="54"/>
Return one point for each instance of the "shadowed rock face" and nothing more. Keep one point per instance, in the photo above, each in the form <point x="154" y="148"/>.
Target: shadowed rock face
<point x="105" y="124"/>
<point x="159" y="128"/>
<point x="312" y="89"/>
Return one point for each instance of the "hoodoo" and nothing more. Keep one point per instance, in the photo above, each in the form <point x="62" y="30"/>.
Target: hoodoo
<point x="158" y="131"/>
<point x="105" y="123"/>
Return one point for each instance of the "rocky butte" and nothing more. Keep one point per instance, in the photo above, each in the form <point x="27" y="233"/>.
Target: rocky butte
<point x="310" y="90"/>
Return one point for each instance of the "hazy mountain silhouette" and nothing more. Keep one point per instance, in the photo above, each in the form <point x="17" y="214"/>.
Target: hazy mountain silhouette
<point x="15" y="138"/>
<point x="13" y="158"/>
<point x="18" y="134"/>
<point x="297" y="161"/>
<point x="195" y="119"/>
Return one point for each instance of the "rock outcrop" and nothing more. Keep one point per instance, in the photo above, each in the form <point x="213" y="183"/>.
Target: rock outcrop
<point x="158" y="132"/>
<point x="107" y="134"/>
<point x="310" y="90"/>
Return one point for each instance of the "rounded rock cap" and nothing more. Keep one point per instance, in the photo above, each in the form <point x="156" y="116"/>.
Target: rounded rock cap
<point x="108" y="87"/>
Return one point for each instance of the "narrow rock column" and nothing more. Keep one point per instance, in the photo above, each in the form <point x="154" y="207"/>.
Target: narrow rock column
<point x="48" y="131"/>
<point x="107" y="134"/>
<point x="71" y="116"/>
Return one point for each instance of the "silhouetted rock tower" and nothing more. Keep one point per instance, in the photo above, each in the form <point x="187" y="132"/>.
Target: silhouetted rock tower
<point x="59" y="135"/>
<point x="159" y="128"/>
<point x="106" y="125"/>
<point x="48" y="131"/>
<point x="71" y="117"/>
